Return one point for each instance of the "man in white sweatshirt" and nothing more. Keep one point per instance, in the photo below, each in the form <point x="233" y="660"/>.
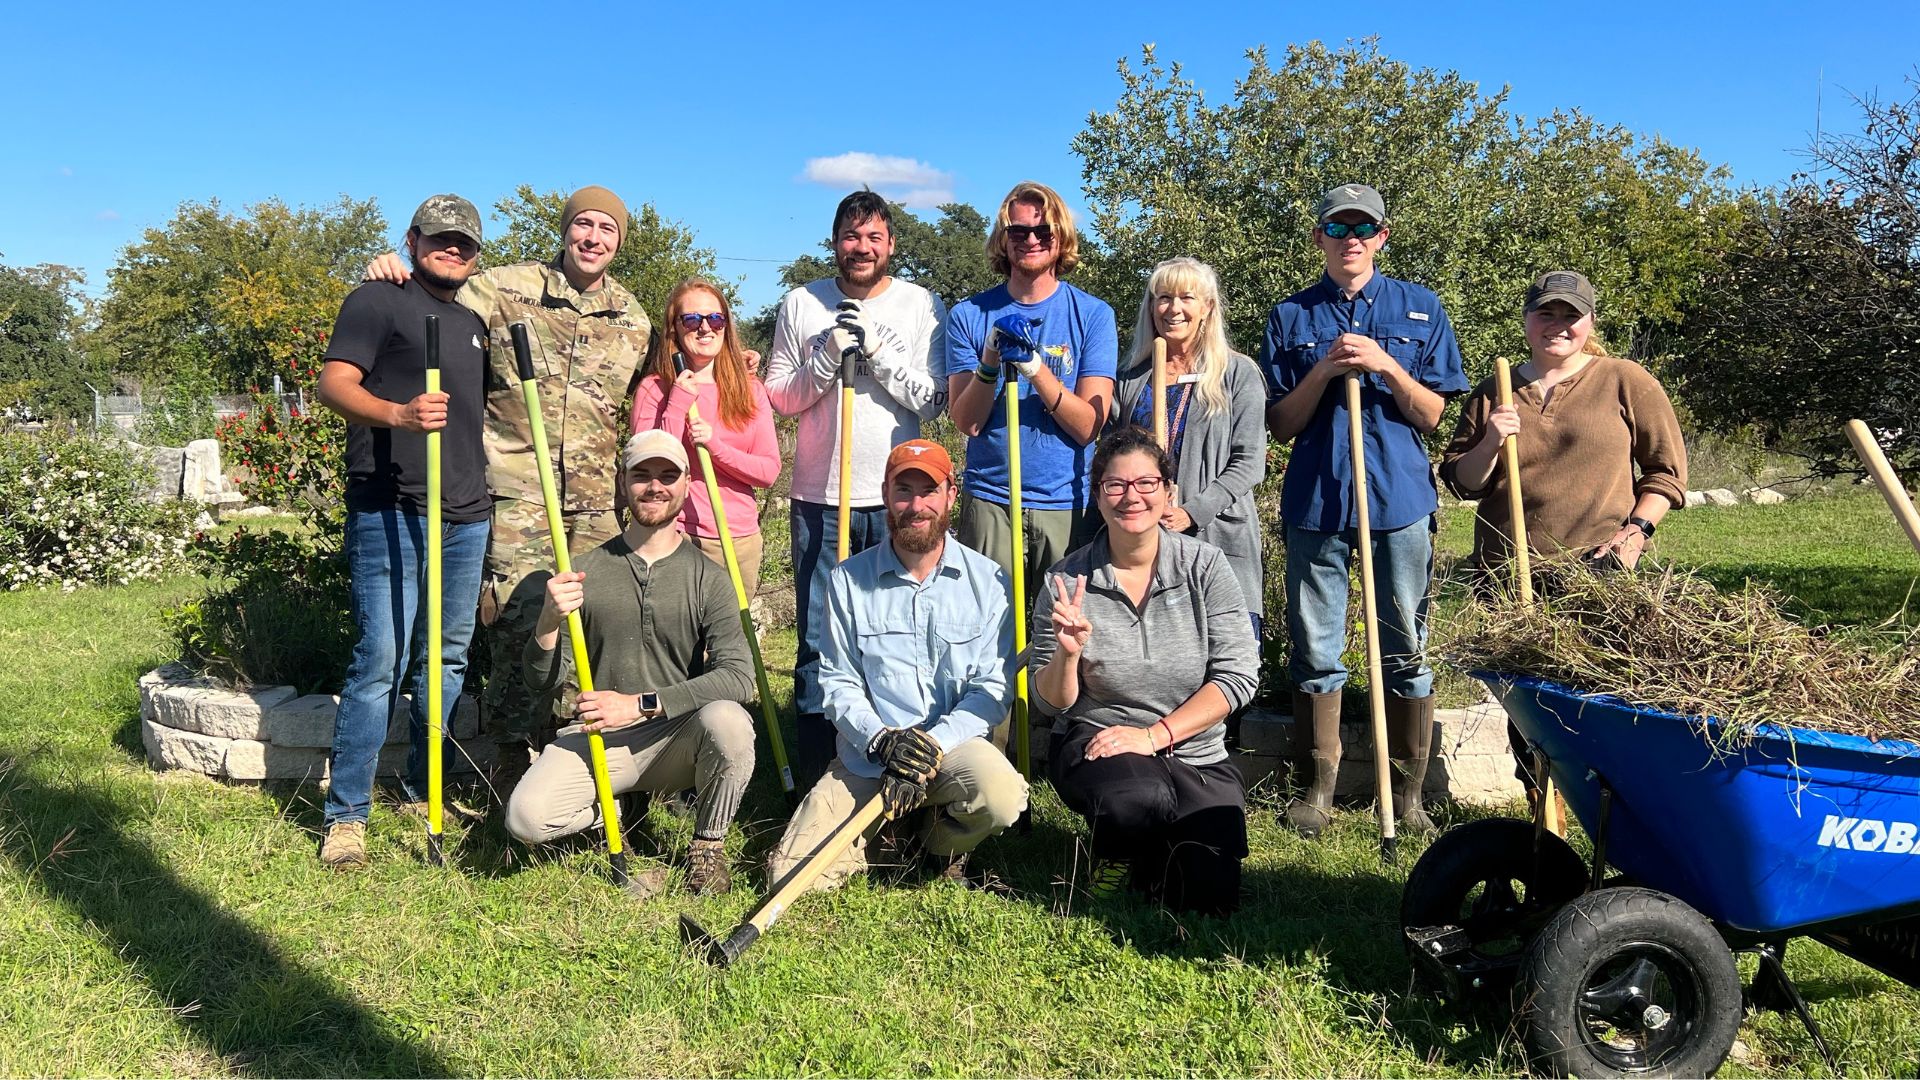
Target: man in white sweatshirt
<point x="899" y="329"/>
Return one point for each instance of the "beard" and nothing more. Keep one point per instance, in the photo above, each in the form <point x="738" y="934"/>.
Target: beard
<point x="654" y="513"/>
<point x="859" y="273"/>
<point x="914" y="537"/>
<point x="432" y="276"/>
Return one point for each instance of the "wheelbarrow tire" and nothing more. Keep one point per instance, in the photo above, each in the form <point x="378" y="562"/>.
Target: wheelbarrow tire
<point x="1628" y="982"/>
<point x="1483" y="877"/>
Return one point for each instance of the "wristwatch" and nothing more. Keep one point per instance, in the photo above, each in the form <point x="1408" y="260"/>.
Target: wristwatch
<point x="1643" y="525"/>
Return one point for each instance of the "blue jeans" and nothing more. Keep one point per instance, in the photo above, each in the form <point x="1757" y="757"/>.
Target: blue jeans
<point x="387" y="561"/>
<point x="815" y="530"/>
<point x="1317" y="607"/>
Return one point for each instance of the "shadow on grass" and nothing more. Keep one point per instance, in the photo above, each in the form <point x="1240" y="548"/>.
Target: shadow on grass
<point x="226" y="983"/>
<point x="1832" y="594"/>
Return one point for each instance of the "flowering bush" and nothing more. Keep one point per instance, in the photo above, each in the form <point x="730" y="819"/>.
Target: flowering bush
<point x="289" y="457"/>
<point x="72" y="513"/>
<point x="277" y="611"/>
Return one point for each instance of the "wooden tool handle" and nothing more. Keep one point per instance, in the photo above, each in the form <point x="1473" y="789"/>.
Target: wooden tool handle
<point x="1160" y="391"/>
<point x="1883" y="475"/>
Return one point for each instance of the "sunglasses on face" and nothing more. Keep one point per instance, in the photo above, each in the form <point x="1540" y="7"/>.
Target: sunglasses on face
<point x="1339" y="230"/>
<point x="1020" y="234"/>
<point x="691" y="321"/>
<point x="1145" y="485"/>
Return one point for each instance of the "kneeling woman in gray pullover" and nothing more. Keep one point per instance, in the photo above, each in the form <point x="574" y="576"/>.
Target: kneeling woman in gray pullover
<point x="1140" y="648"/>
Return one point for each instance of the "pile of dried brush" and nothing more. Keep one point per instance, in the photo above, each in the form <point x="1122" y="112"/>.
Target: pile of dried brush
<point x="1669" y="640"/>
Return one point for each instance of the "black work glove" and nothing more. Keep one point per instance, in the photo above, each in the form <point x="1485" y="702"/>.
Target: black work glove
<point x="910" y="756"/>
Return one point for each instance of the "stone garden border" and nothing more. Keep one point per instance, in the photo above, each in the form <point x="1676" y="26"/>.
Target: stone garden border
<point x="199" y="723"/>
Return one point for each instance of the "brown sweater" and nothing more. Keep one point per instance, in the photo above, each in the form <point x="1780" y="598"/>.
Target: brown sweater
<point x="1578" y="457"/>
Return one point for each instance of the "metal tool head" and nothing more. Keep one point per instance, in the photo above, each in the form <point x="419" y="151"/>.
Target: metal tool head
<point x="720" y="952"/>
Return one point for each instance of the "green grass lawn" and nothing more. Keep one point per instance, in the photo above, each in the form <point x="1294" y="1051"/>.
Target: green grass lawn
<point x="165" y="924"/>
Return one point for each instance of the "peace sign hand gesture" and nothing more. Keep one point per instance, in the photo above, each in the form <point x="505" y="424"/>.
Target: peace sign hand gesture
<point x="1070" y="626"/>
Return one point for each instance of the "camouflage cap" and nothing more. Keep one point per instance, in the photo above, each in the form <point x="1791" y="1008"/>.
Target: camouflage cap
<point x="1353" y="197"/>
<point x="447" y="214"/>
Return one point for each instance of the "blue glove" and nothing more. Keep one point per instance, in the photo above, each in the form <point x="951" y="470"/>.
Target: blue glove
<point x="1014" y="336"/>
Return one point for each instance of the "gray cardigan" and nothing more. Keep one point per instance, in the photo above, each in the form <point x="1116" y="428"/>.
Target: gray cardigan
<point x="1143" y="663"/>
<point x="1223" y="457"/>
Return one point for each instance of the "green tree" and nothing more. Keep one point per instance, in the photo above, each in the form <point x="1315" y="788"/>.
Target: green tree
<point x="656" y="254"/>
<point x="41" y="365"/>
<point x="228" y="294"/>
<point x="1479" y="199"/>
<point x="1812" y="317"/>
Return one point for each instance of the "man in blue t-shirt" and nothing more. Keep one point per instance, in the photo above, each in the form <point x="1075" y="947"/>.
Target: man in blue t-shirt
<point x="1395" y="336"/>
<point x="376" y="377"/>
<point x="1059" y="345"/>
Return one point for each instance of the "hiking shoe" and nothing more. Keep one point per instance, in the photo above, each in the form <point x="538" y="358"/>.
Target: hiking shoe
<point x="345" y="847"/>
<point x="1109" y="878"/>
<point x="707" y="872"/>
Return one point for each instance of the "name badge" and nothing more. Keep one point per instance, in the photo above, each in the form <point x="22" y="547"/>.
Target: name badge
<point x="1420" y="316"/>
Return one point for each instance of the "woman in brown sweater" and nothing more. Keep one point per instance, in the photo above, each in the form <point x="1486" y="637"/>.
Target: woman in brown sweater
<point x="1601" y="459"/>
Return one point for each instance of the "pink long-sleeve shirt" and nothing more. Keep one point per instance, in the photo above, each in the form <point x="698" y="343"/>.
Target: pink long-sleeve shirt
<point x="744" y="460"/>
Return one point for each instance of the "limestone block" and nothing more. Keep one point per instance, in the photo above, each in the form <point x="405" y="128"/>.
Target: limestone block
<point x="168" y="464"/>
<point x="210" y="709"/>
<point x="172" y="748"/>
<point x="1471" y="762"/>
<point x="200" y="478"/>
<point x="1721" y="497"/>
<point x="1696" y="498"/>
<point x="167" y="675"/>
<point x="1261" y="772"/>
<point x="1765" y="497"/>
<point x="308" y="721"/>
<point x="250" y="759"/>
<point x="1266" y="733"/>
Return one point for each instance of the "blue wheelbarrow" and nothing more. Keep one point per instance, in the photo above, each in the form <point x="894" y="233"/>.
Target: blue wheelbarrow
<point x="1626" y="966"/>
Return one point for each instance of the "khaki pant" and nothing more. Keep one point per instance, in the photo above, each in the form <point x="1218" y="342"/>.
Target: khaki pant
<point x="747" y="549"/>
<point x="710" y="751"/>
<point x="974" y="795"/>
<point x="519" y="562"/>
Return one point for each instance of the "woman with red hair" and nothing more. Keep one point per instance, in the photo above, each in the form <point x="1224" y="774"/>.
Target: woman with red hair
<point x="731" y="417"/>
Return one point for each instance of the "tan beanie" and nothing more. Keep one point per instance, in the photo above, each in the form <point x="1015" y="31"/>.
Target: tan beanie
<point x="594" y="197"/>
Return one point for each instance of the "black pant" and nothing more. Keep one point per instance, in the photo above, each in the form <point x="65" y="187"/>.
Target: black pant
<point x="1182" y="827"/>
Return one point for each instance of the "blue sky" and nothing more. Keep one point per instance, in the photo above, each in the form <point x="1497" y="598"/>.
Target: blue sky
<point x="714" y="112"/>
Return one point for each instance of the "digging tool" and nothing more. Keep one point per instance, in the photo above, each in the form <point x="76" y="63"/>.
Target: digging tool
<point x="1376" y="693"/>
<point x="1160" y="391"/>
<point x="849" y="365"/>
<point x="1549" y="810"/>
<point x="1023" y="749"/>
<point x="724" y="951"/>
<point x="1884" y="477"/>
<point x="435" y="628"/>
<point x="563" y="563"/>
<point x="745" y="600"/>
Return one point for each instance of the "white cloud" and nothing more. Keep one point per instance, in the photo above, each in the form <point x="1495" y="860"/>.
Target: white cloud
<point x="107" y="215"/>
<point x="904" y="180"/>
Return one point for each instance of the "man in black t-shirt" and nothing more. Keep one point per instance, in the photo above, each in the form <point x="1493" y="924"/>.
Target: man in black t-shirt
<point x="375" y="377"/>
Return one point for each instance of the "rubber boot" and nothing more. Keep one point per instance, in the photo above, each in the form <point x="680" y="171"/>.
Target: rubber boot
<point x="1316" y="761"/>
<point x="1409" y="747"/>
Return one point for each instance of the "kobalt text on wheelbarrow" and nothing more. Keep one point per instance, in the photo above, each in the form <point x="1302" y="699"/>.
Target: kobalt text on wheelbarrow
<point x="1627" y="967"/>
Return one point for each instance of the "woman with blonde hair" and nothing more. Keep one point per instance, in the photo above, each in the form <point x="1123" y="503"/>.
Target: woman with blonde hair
<point x="733" y="419"/>
<point x="1216" y="406"/>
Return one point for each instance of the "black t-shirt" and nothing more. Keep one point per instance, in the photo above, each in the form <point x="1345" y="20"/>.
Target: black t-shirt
<point x="382" y="330"/>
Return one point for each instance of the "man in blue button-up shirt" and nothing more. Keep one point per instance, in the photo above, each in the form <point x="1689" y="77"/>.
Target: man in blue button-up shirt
<point x="1395" y="336"/>
<point x="914" y="670"/>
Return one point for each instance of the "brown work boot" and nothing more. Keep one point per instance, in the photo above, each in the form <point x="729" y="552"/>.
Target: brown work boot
<point x="707" y="872"/>
<point x="1409" y="748"/>
<point x="345" y="847"/>
<point x="949" y="868"/>
<point x="1316" y="761"/>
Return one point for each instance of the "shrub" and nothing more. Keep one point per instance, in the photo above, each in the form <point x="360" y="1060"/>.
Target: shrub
<point x="278" y="609"/>
<point x="72" y="513"/>
<point x="184" y="413"/>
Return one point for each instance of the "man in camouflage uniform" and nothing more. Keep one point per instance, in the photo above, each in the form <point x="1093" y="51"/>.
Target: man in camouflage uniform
<point x="590" y="338"/>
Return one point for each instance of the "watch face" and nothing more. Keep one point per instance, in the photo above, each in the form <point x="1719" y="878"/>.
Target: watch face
<point x="650" y="702"/>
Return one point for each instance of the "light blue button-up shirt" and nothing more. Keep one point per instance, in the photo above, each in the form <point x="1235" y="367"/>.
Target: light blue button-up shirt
<point x="903" y="653"/>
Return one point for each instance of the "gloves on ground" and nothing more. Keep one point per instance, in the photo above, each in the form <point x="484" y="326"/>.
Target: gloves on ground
<point x="1013" y="337"/>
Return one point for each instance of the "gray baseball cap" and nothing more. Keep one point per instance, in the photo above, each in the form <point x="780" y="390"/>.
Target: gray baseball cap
<point x="1353" y="197"/>
<point x="445" y="214"/>
<point x="1568" y="286"/>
